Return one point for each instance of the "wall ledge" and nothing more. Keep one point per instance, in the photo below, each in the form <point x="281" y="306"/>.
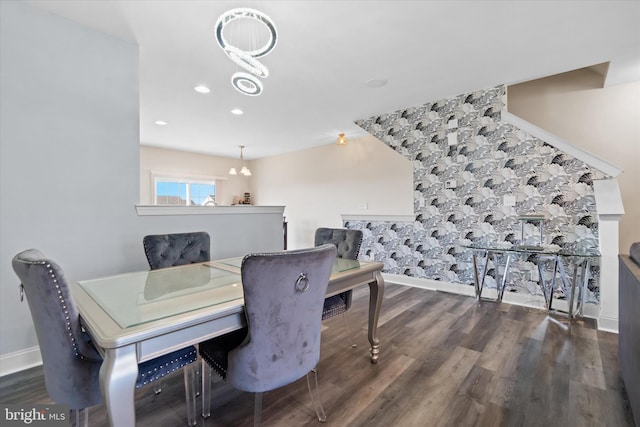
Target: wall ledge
<point x="608" y="199"/>
<point x="155" y="210"/>
<point x="385" y="218"/>
<point x="560" y="144"/>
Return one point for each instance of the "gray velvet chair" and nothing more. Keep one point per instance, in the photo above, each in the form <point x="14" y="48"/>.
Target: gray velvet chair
<point x="71" y="363"/>
<point x="348" y="244"/>
<point x="283" y="296"/>
<point x="170" y="250"/>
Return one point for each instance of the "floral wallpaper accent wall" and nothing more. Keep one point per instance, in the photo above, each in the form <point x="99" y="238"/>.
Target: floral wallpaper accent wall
<point x="465" y="161"/>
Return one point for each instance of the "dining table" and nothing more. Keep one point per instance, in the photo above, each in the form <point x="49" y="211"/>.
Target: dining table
<point x="134" y="317"/>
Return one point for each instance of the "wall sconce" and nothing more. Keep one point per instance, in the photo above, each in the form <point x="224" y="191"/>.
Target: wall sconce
<point x="245" y="170"/>
<point x="342" y="140"/>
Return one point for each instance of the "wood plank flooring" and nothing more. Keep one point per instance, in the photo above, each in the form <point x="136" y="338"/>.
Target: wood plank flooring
<point x="444" y="361"/>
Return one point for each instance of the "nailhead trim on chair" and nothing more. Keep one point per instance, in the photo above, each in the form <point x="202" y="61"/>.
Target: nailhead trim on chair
<point x="334" y="312"/>
<point x="214" y="365"/>
<point x="154" y="374"/>
<point x="62" y="302"/>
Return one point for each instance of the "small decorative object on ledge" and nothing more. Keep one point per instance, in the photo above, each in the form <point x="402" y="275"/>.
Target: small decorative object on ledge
<point x="531" y="219"/>
<point x="239" y="200"/>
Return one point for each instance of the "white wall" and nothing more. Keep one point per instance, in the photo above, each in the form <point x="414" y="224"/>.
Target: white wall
<point x="603" y="121"/>
<point x="69" y="151"/>
<point x="69" y="165"/>
<point x="319" y="184"/>
<point x="161" y="160"/>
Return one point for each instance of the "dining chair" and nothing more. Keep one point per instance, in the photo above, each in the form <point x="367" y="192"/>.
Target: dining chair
<point x="71" y="363"/>
<point x="348" y="244"/>
<point x="170" y="250"/>
<point x="283" y="297"/>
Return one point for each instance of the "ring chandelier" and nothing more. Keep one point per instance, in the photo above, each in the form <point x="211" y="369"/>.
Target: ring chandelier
<point x="247" y="83"/>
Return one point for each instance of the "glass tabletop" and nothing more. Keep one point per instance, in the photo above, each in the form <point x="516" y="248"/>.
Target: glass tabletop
<point x="135" y="298"/>
<point x="542" y="250"/>
<point x="339" y="265"/>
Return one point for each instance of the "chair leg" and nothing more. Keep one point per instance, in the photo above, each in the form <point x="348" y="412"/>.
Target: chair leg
<point x="190" y="393"/>
<point x="198" y="373"/>
<point x="347" y="325"/>
<point x="205" y="370"/>
<point x="198" y="378"/>
<point x="257" y="411"/>
<point x="80" y="417"/>
<point x="157" y="387"/>
<point x="315" y="397"/>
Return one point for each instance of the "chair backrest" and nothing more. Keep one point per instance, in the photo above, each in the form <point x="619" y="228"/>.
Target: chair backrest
<point x="347" y="242"/>
<point x="283" y="296"/>
<point x="71" y="364"/>
<point x="169" y="250"/>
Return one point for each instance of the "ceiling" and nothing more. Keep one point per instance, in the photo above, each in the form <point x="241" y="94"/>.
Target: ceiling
<point x="328" y="50"/>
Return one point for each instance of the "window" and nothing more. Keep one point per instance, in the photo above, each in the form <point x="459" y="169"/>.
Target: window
<point x="187" y="192"/>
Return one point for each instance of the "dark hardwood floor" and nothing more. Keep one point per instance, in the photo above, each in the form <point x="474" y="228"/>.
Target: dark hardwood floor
<point x="444" y="361"/>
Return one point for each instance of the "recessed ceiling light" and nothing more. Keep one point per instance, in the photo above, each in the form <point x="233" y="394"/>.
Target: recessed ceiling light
<point x="376" y="83"/>
<point x="160" y="123"/>
<point x="237" y="112"/>
<point x="202" y="89"/>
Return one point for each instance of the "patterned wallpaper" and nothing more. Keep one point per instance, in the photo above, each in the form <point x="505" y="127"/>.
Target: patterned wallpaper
<point x="465" y="161"/>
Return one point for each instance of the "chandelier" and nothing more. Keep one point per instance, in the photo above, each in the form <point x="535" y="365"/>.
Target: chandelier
<point x="244" y="170"/>
<point x="247" y="83"/>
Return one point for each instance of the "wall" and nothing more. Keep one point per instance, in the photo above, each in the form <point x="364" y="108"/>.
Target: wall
<point x="319" y="184"/>
<point x="602" y="121"/>
<point x="69" y="165"/>
<point x="67" y="168"/>
<point x="463" y="141"/>
<point x="161" y="160"/>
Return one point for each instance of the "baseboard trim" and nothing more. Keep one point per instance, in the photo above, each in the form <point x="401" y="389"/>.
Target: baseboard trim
<point x="608" y="324"/>
<point x="526" y="300"/>
<point x="20" y="360"/>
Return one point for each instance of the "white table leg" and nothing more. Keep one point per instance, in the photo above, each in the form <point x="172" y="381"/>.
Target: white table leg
<point x="118" y="376"/>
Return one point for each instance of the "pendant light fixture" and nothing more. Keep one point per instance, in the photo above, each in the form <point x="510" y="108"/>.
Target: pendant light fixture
<point x="342" y="140"/>
<point x="247" y="83"/>
<point x="244" y="170"/>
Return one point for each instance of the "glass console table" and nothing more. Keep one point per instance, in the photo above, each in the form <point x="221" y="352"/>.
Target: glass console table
<point x="557" y="258"/>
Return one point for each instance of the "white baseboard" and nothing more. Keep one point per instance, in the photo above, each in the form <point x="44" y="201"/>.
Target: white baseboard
<point x="608" y="324"/>
<point x="534" y="301"/>
<point x="20" y="360"/>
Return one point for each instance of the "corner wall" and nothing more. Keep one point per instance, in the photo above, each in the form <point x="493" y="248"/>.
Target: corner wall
<point x="603" y="121"/>
<point x="320" y="184"/>
<point x="466" y="159"/>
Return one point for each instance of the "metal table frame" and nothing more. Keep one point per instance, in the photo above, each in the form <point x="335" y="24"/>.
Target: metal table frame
<point x="581" y="262"/>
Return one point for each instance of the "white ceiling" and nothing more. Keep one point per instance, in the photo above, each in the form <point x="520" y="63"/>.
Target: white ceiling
<point x="328" y="50"/>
